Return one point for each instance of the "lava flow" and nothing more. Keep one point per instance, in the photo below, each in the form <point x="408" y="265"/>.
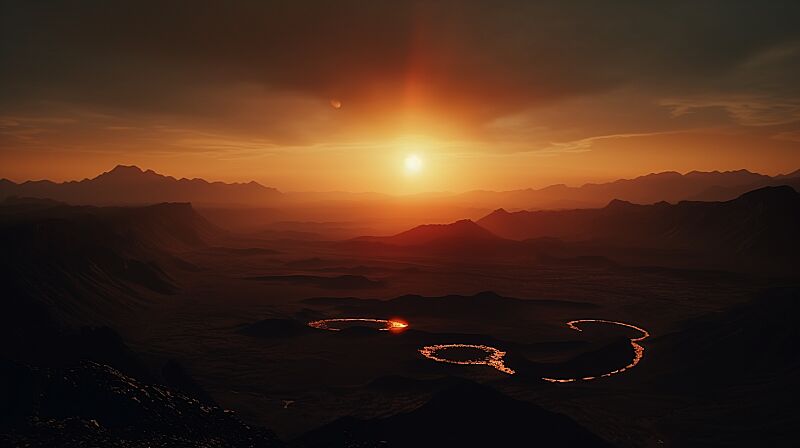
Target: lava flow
<point x="494" y="359"/>
<point x="389" y="325"/>
<point x="637" y="349"/>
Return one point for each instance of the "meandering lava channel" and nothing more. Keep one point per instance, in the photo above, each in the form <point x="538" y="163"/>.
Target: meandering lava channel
<point x="331" y="324"/>
<point x="494" y="356"/>
<point x="637" y="349"/>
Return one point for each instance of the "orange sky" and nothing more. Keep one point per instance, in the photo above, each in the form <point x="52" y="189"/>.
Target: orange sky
<point x="488" y="97"/>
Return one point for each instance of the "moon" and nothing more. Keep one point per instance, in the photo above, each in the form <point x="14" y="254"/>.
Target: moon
<point x="413" y="164"/>
<point x="336" y="104"/>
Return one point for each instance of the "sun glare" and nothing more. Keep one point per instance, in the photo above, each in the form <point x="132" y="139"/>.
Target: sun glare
<point x="413" y="164"/>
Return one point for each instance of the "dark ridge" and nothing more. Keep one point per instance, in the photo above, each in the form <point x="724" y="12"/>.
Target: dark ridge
<point x="782" y="194"/>
<point x="466" y="415"/>
<point x="176" y="377"/>
<point x="93" y="404"/>
<point x="129" y="185"/>
<point x="755" y="232"/>
<point x="88" y="265"/>
<point x="742" y="363"/>
<point x="464" y="231"/>
<point x="757" y="338"/>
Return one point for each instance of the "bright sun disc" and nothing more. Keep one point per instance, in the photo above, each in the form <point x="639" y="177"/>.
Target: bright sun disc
<point x="413" y="164"/>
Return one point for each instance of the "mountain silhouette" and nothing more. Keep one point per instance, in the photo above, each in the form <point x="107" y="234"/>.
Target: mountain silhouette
<point x="665" y="186"/>
<point x="747" y="221"/>
<point x="757" y="229"/>
<point x="721" y="193"/>
<point x="130" y="185"/>
<point x="464" y="231"/>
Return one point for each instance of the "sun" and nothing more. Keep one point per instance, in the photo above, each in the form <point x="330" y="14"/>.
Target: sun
<point x="413" y="164"/>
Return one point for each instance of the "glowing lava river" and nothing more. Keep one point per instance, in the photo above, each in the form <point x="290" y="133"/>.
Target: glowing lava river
<point x="494" y="356"/>
<point x="637" y="349"/>
<point x="330" y="324"/>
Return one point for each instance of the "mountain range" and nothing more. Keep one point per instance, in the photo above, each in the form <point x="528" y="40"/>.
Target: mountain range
<point x="757" y="231"/>
<point x="130" y="185"/>
<point x="462" y="231"/>
<point x="764" y="220"/>
<point x="667" y="186"/>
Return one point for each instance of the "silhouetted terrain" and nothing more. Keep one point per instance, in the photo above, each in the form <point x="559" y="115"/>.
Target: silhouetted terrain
<point x="461" y="239"/>
<point x="723" y="193"/>
<point x="467" y="415"/>
<point x="140" y="326"/>
<point x="252" y="207"/>
<point x="666" y="186"/>
<point x="129" y="185"/>
<point x="738" y="366"/>
<point x="86" y="264"/>
<point x="408" y="224"/>
<point x="70" y="400"/>
<point x="757" y="227"/>
<point x="461" y="232"/>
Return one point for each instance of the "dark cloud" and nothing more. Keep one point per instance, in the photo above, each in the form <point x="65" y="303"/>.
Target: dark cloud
<point x="478" y="60"/>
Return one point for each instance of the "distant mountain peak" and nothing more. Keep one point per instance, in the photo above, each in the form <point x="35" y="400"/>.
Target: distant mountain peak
<point x="462" y="230"/>
<point x="664" y="174"/>
<point x="462" y="223"/>
<point x="795" y="173"/>
<point x="130" y="185"/>
<point x="618" y="203"/>
<point x="125" y="170"/>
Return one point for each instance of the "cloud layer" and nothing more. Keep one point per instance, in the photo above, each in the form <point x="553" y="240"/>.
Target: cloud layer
<point x="515" y="76"/>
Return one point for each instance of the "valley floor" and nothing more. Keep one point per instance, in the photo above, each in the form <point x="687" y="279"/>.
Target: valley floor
<point x="296" y="381"/>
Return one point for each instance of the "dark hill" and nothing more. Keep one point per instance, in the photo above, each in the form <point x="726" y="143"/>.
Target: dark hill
<point x="87" y="264"/>
<point x="464" y="231"/>
<point x="739" y="366"/>
<point x="462" y="240"/>
<point x="467" y="415"/>
<point x="756" y="339"/>
<point x="95" y="405"/>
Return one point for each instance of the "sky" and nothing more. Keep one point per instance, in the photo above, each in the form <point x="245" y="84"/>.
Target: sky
<point x="490" y="95"/>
